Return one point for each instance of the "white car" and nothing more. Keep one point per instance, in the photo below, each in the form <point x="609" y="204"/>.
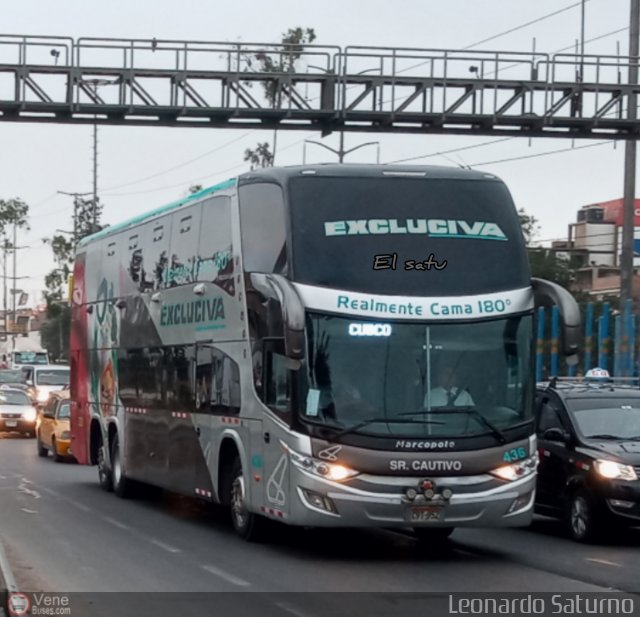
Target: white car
<point x="44" y="379"/>
<point x="17" y="414"/>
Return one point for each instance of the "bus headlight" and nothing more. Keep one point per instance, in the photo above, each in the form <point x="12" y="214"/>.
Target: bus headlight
<point x="518" y="470"/>
<point x="615" y="471"/>
<point x="331" y="471"/>
<point x="29" y="415"/>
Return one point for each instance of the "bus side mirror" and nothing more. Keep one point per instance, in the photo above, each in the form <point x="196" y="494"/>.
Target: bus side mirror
<point x="556" y="434"/>
<point x="546" y="293"/>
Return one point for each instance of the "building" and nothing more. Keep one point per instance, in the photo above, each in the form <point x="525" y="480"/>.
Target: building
<point x="596" y="239"/>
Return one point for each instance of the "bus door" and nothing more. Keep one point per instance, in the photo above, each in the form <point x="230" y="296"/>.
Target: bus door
<point x="277" y="396"/>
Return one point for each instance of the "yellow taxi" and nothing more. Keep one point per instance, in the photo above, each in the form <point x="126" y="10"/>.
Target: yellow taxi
<point x="53" y="428"/>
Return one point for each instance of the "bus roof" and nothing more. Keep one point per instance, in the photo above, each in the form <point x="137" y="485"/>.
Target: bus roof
<point x="282" y="174"/>
<point x="141" y="218"/>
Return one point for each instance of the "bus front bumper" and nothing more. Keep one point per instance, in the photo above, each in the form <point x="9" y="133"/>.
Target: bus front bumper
<point x="478" y="501"/>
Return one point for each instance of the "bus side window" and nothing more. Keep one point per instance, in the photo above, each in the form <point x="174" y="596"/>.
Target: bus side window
<point x="277" y="378"/>
<point x="217" y="382"/>
<point x="263" y="227"/>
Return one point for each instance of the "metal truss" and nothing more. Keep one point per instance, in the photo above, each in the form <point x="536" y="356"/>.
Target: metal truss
<point x="364" y="89"/>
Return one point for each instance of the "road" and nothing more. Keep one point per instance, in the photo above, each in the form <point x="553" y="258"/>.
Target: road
<point x="63" y="532"/>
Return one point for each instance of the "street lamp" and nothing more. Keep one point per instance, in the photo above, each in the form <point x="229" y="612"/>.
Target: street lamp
<point x="341" y="152"/>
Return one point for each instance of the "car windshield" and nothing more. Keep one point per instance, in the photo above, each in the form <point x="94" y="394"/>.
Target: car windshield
<point x="404" y="379"/>
<point x="13" y="398"/>
<point x="52" y="378"/>
<point x="11" y="377"/>
<point x="30" y="357"/>
<point x="64" y="411"/>
<point x="607" y="418"/>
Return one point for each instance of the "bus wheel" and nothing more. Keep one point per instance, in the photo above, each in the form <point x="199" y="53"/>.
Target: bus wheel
<point x="104" y="473"/>
<point x="122" y="486"/>
<point x="433" y="535"/>
<point x="247" y="525"/>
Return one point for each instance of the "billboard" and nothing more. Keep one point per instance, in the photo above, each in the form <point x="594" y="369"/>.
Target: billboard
<point x="613" y="211"/>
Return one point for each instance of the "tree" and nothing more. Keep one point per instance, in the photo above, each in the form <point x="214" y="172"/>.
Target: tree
<point x="260" y="157"/>
<point x="13" y="212"/>
<point x="276" y="60"/>
<point x="86" y="221"/>
<point x="546" y="263"/>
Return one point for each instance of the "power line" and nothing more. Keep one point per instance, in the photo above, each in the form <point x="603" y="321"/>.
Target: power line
<point x="539" y="154"/>
<point x="184" y="164"/>
<point x="529" y="23"/>
<point x="453" y="150"/>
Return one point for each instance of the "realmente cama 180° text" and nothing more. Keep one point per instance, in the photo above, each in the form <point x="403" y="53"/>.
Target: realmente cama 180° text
<point x="556" y="604"/>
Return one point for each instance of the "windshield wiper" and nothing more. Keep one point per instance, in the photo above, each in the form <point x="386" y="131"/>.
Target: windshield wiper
<point x="355" y="427"/>
<point x="465" y="409"/>
<point x="605" y="436"/>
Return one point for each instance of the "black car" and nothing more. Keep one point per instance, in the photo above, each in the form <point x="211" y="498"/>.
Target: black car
<point x="589" y="447"/>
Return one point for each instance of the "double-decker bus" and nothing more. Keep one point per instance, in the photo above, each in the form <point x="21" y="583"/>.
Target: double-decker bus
<point x="330" y="345"/>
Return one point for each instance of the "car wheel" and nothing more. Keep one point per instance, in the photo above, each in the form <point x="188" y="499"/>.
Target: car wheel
<point x="433" y="535"/>
<point x="249" y="526"/>
<point x="54" y="449"/>
<point x="122" y="486"/>
<point x="104" y="473"/>
<point x="581" y="517"/>
<point x="42" y="451"/>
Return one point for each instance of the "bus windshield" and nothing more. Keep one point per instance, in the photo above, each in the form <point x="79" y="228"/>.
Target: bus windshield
<point x="418" y="380"/>
<point x="30" y="357"/>
<point x="398" y="235"/>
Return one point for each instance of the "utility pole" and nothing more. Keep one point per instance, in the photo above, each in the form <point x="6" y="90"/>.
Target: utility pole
<point x="628" y="226"/>
<point x="4" y="278"/>
<point x="76" y="197"/>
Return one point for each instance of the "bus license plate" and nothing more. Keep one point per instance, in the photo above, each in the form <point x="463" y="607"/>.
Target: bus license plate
<point x="11" y="423"/>
<point x="425" y="514"/>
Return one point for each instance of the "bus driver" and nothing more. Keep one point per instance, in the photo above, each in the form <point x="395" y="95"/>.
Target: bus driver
<point x="447" y="393"/>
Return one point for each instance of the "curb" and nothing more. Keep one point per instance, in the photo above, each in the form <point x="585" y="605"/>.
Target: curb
<point x="7" y="581"/>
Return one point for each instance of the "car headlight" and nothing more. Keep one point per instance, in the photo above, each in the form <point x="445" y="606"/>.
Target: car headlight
<point x="518" y="470"/>
<point x="615" y="471"/>
<point x="29" y="415"/>
<point x="330" y="471"/>
<point x="42" y="396"/>
<point x="65" y="435"/>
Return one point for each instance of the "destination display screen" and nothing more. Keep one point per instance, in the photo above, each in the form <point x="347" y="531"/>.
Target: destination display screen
<point x="405" y="235"/>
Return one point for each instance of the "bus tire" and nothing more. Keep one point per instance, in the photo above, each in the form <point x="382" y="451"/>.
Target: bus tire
<point x="104" y="473"/>
<point x="122" y="486"/>
<point x="248" y="525"/>
<point x="433" y="535"/>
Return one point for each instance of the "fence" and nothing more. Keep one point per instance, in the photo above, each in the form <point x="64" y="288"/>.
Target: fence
<point x="611" y="340"/>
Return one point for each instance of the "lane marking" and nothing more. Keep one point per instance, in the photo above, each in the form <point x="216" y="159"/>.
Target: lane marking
<point x="27" y="491"/>
<point x="49" y="491"/>
<point x="29" y="511"/>
<point x="166" y="547"/>
<point x="116" y="523"/>
<point x="604" y="562"/>
<point x="79" y="505"/>
<point x="226" y="576"/>
<point x="291" y="609"/>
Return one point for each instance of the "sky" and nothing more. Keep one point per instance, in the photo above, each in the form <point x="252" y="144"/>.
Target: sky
<point x="142" y="168"/>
